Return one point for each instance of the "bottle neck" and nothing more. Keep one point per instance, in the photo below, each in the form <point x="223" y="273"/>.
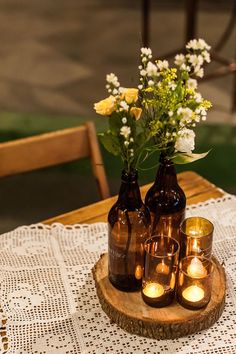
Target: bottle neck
<point x="129" y="194"/>
<point x="166" y="174"/>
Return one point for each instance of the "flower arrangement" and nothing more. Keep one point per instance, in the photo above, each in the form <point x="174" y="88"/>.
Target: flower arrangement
<point x="171" y="104"/>
<point x="161" y="112"/>
<point x="126" y="136"/>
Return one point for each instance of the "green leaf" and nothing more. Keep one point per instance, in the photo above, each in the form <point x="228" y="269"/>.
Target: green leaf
<point x="115" y="123"/>
<point x="182" y="158"/>
<point x="110" y="142"/>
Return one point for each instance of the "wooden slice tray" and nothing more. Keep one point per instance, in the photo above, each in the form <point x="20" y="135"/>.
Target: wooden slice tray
<point x="130" y="312"/>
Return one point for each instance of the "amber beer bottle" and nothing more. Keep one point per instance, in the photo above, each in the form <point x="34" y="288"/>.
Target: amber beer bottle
<point x="166" y="201"/>
<point x="129" y="226"/>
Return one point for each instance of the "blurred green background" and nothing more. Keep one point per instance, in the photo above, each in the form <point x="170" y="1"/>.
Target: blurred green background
<point x="53" y="60"/>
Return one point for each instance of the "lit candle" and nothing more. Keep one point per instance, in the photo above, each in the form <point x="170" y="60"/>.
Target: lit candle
<point x="162" y="268"/>
<point x="153" y="290"/>
<point x="193" y="293"/>
<point x="196" y="269"/>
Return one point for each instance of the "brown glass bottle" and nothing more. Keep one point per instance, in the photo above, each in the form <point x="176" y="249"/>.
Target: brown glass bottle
<point x="129" y="226"/>
<point x="166" y="201"/>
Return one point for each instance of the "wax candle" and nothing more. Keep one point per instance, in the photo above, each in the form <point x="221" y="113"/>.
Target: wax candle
<point x="196" y="269"/>
<point x="138" y="272"/>
<point x="193" y="293"/>
<point x="153" y="290"/>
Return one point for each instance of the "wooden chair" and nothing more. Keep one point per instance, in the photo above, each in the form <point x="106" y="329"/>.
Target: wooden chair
<point x="52" y="149"/>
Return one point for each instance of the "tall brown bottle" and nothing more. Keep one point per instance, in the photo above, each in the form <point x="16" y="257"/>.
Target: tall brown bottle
<point x="129" y="226"/>
<point x="166" y="201"/>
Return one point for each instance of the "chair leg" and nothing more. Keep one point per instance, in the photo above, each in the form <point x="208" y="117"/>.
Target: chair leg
<point x="233" y="109"/>
<point x="145" y="23"/>
<point x="191" y="7"/>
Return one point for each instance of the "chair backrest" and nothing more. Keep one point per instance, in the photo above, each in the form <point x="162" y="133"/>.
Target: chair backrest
<point x="54" y="148"/>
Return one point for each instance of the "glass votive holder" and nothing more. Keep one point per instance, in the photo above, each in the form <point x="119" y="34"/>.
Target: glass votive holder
<point x="194" y="282"/>
<point x="161" y="263"/>
<point x="196" y="236"/>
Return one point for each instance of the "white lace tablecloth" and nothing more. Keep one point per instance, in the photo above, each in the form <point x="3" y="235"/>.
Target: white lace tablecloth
<point x="48" y="295"/>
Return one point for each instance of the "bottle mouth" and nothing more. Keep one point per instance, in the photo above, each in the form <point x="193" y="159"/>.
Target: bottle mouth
<point x="129" y="177"/>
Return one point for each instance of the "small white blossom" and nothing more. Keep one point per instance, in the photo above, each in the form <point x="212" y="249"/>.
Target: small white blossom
<point x="131" y="150"/>
<point x="204" y="118"/>
<point x="124" y="105"/>
<point x="170" y="113"/>
<point x="112" y="79"/>
<point x="198" y="97"/>
<point x="144" y="59"/>
<point x="195" y="60"/>
<point x="185" y="113"/>
<point x="196" y="44"/>
<point x="151" y="69"/>
<point x="125" y="131"/>
<point x="131" y="140"/>
<point x="146" y="51"/>
<point x="184" y="67"/>
<point x="143" y="72"/>
<point x="199" y="72"/>
<point x="206" y="56"/>
<point x="140" y="67"/>
<point x="192" y="84"/>
<point x="162" y="64"/>
<point x="172" y="86"/>
<point x="140" y="87"/>
<point x="124" y="120"/>
<point x="185" y="141"/>
<point x="126" y="143"/>
<point x="150" y="83"/>
<point x="115" y="92"/>
<point x="179" y="59"/>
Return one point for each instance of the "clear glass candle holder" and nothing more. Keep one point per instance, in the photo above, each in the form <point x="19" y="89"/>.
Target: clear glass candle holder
<point x="196" y="236"/>
<point x="161" y="263"/>
<point x="194" y="282"/>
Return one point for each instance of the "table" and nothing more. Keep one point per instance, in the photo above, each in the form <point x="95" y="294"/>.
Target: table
<point x="197" y="189"/>
<point x="47" y="288"/>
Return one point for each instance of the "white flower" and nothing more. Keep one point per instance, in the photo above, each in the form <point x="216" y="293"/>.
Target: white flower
<point x="140" y="87"/>
<point x="179" y="59"/>
<point x="131" y="140"/>
<point x="192" y="84"/>
<point x="125" y="131"/>
<point x="206" y="56"/>
<point x="115" y="92"/>
<point x="162" y="64"/>
<point x="199" y="72"/>
<point x="146" y="51"/>
<point x="124" y="105"/>
<point x="143" y="72"/>
<point x="170" y="113"/>
<point x="112" y="79"/>
<point x="185" y="141"/>
<point x="204" y="117"/>
<point x="185" y="113"/>
<point x="172" y="86"/>
<point x="195" y="60"/>
<point x="150" y="83"/>
<point x="151" y="69"/>
<point x="140" y="67"/>
<point x="196" y="44"/>
<point x="198" y="97"/>
<point x="144" y="59"/>
<point x="124" y="120"/>
<point x="126" y="143"/>
<point x="185" y="67"/>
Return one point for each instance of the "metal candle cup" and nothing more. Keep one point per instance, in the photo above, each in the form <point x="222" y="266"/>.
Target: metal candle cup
<point x="161" y="263"/>
<point x="195" y="282"/>
<point x="196" y="236"/>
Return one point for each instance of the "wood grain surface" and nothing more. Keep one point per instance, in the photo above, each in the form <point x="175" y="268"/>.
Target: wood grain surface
<point x="196" y="188"/>
<point x="131" y="314"/>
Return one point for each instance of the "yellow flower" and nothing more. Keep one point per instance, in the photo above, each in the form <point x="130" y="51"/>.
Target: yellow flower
<point x="105" y="107"/>
<point x="130" y="95"/>
<point x="136" y="112"/>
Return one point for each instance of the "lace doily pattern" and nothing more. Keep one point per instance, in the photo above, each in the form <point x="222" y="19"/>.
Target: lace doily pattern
<point x="48" y="298"/>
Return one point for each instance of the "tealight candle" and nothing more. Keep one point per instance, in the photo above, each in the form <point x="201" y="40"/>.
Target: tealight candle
<point x="159" y="278"/>
<point x="194" y="282"/>
<point x="196" y="269"/>
<point x="193" y="293"/>
<point x="153" y="290"/>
